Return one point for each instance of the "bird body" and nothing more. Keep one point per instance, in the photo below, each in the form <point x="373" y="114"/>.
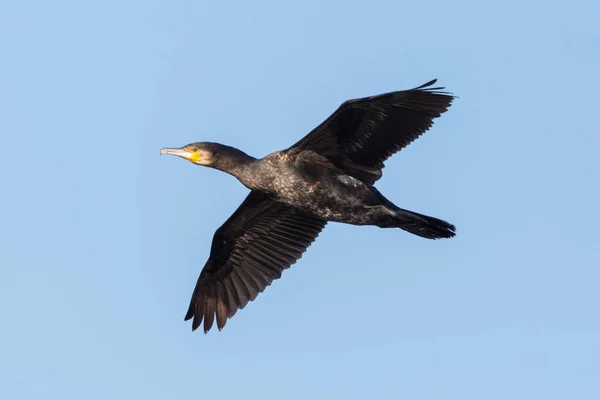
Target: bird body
<point x="300" y="180"/>
<point x="328" y="176"/>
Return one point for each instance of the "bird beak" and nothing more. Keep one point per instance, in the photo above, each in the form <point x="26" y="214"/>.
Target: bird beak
<point x="177" y="152"/>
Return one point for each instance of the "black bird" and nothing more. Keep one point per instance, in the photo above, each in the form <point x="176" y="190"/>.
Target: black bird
<point x="326" y="176"/>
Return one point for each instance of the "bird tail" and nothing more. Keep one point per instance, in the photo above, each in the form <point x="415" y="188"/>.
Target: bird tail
<point x="422" y="225"/>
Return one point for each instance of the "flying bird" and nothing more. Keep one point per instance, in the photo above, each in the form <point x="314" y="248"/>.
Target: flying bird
<point x="327" y="176"/>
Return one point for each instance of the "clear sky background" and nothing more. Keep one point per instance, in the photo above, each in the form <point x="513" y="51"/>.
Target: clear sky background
<point x="102" y="240"/>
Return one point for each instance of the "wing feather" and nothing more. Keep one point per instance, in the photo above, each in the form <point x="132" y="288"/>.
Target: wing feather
<point x="362" y="133"/>
<point x="249" y="251"/>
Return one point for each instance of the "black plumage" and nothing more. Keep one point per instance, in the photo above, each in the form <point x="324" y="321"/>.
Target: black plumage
<point x="327" y="176"/>
<point x="251" y="249"/>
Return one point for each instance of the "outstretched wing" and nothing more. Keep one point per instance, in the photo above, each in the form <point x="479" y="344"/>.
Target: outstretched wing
<point x="362" y="133"/>
<point x="249" y="251"/>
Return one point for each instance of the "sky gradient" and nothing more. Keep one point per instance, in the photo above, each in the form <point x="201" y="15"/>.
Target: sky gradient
<point x="102" y="240"/>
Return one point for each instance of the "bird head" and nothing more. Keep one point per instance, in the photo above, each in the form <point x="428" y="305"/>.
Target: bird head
<point x="199" y="153"/>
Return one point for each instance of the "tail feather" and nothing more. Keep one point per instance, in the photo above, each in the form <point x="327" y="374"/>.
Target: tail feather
<point x="424" y="226"/>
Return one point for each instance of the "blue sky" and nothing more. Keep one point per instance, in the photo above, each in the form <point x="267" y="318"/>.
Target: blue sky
<point x="102" y="239"/>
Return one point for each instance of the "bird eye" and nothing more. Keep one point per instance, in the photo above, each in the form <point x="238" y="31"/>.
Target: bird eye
<point x="195" y="149"/>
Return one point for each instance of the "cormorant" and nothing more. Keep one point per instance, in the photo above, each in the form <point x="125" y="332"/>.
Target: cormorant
<point x="327" y="176"/>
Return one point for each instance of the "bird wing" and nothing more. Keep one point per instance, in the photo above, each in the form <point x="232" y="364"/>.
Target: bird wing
<point x="249" y="251"/>
<point x="362" y="133"/>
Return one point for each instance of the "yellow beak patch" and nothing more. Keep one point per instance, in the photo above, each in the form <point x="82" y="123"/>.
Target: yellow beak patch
<point x="195" y="156"/>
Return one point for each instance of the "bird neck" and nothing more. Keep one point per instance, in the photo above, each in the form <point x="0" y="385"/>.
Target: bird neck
<point x="233" y="161"/>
